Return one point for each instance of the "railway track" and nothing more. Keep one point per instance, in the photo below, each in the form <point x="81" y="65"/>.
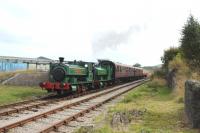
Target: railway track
<point x="36" y="103"/>
<point x="52" y="117"/>
<point x="27" y="105"/>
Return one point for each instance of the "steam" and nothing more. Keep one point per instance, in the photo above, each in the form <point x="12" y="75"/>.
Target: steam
<point x="113" y="39"/>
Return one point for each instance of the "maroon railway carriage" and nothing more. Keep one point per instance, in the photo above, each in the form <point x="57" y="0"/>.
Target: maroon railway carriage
<point x="123" y="72"/>
<point x="127" y="73"/>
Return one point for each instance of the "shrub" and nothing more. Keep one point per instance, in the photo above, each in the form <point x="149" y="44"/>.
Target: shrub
<point x="179" y="63"/>
<point x="169" y="55"/>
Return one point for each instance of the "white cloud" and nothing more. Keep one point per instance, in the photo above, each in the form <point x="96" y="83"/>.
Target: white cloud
<point x="68" y="28"/>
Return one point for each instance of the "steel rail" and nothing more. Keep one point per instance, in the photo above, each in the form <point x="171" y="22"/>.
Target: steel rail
<point x="14" y="109"/>
<point x="53" y="111"/>
<point x="66" y="120"/>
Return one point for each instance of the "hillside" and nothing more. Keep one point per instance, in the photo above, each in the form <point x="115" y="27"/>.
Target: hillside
<point x="151" y="69"/>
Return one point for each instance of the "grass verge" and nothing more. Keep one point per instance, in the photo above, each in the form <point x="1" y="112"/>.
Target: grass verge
<point x="164" y="112"/>
<point x="11" y="94"/>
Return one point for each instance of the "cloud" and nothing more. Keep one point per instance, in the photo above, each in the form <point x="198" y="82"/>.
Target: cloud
<point x="6" y="38"/>
<point x="65" y="28"/>
<point x="14" y="9"/>
<point x="113" y="39"/>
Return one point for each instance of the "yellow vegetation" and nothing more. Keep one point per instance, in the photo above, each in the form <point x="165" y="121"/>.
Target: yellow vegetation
<point x="183" y="73"/>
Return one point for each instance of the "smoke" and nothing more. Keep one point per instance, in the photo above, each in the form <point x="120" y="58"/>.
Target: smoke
<point x="112" y="39"/>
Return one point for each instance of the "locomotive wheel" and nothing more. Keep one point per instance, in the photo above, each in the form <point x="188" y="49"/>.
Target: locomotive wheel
<point x="49" y="91"/>
<point x="105" y="84"/>
<point x="80" y="89"/>
<point x="94" y="85"/>
<point x="97" y="85"/>
<point x="59" y="92"/>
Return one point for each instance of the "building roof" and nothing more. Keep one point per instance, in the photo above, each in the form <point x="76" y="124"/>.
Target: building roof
<point x="39" y="60"/>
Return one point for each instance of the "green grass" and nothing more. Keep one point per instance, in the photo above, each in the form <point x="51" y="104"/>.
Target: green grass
<point x="164" y="113"/>
<point x="11" y="94"/>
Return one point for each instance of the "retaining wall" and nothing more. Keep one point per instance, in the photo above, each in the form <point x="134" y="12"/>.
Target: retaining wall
<point x="28" y="79"/>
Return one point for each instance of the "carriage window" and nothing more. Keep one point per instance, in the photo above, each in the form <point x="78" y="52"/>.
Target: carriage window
<point x="117" y="68"/>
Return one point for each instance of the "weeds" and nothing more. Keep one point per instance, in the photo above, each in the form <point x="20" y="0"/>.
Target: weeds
<point x="163" y="111"/>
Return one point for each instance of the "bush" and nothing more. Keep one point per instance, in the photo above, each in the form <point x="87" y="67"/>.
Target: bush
<point x="179" y="64"/>
<point x="159" y="74"/>
<point x="169" y="55"/>
<point x="182" y="74"/>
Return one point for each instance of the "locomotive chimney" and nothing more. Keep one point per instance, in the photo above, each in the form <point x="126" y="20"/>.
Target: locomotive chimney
<point x="61" y="59"/>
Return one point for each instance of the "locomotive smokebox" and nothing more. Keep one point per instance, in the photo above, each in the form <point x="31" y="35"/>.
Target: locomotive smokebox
<point x="61" y="59"/>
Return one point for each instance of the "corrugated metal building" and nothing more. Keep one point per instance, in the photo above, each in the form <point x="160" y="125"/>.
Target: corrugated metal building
<point x="12" y="66"/>
<point x="8" y="63"/>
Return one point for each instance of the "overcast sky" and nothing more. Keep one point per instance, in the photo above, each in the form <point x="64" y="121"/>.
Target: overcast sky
<point x="126" y="31"/>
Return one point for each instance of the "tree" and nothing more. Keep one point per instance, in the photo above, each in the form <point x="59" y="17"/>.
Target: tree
<point x="168" y="56"/>
<point x="190" y="42"/>
<point x="137" y="65"/>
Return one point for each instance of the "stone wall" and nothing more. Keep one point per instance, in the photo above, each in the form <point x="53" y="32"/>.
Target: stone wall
<point x="192" y="102"/>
